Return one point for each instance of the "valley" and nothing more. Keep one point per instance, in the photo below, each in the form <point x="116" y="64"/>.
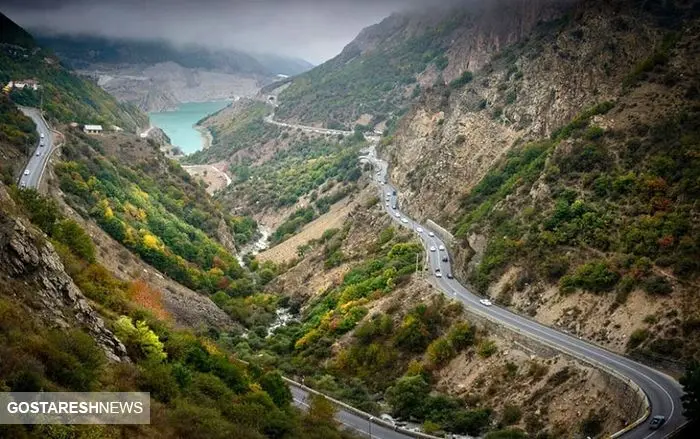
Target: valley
<point x="478" y="220"/>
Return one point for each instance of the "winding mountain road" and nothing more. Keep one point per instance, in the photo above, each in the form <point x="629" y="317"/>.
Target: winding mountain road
<point x="34" y="171"/>
<point x="662" y="392"/>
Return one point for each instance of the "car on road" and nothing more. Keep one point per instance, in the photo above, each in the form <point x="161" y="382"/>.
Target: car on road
<point x="438" y="273"/>
<point x="419" y="229"/>
<point x="26" y="172"/>
<point x="432" y="248"/>
<point x="485" y="302"/>
<point x="42" y="135"/>
<point x="450" y="276"/>
<point x="656" y="422"/>
<point x="388" y="194"/>
<point x="431" y="234"/>
<point x="442" y="248"/>
<point x="41" y="144"/>
<point x="23" y="185"/>
<point x="404" y="220"/>
<point x="393" y="192"/>
<point x="387" y="203"/>
<point x="444" y="259"/>
<point x="397" y="215"/>
<point x="38" y="153"/>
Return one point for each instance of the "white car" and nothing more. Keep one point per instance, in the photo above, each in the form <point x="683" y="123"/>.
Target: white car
<point x="442" y="248"/>
<point x="404" y="220"/>
<point x="432" y="248"/>
<point x="38" y="153"/>
<point x="419" y="229"/>
<point x="397" y="215"/>
<point x="485" y="302"/>
<point x="26" y="172"/>
<point x="438" y="273"/>
<point x="431" y="234"/>
<point x="388" y="194"/>
<point x="42" y="135"/>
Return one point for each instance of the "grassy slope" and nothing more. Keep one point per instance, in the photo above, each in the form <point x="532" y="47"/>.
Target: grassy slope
<point x="196" y="389"/>
<point x="340" y="90"/>
<point x="66" y="98"/>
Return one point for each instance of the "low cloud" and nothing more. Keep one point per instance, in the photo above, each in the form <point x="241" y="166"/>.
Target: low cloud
<point x="313" y="30"/>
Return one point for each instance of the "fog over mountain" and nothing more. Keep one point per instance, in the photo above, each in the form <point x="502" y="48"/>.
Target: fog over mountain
<point x="297" y="28"/>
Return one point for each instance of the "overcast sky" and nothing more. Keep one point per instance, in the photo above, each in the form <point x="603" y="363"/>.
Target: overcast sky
<point x="311" y="29"/>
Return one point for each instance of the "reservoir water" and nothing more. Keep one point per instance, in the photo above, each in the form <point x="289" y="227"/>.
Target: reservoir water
<point x="179" y="124"/>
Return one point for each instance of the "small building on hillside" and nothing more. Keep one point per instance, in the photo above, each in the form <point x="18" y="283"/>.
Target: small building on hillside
<point x="92" y="129"/>
<point x="27" y="83"/>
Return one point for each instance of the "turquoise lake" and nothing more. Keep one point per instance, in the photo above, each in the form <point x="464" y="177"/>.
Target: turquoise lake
<point x="179" y="124"/>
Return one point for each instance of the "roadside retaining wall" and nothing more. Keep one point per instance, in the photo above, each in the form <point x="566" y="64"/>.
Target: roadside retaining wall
<point x="446" y="236"/>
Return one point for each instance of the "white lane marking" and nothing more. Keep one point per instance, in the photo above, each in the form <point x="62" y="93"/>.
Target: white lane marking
<point x="570" y="347"/>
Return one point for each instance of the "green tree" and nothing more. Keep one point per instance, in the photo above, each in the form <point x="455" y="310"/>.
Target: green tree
<point x="407" y="396"/>
<point x="278" y="390"/>
<point x="440" y="351"/>
<point x="140" y="340"/>
<point x="72" y="235"/>
<point x="691" y="386"/>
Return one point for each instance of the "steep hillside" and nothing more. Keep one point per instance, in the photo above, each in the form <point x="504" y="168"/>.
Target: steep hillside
<point x="17" y="139"/>
<point x="284" y="177"/>
<point x="377" y="75"/>
<point x="566" y="166"/>
<point x="235" y="128"/>
<point x="63" y="96"/>
<point x="373" y="332"/>
<point x="67" y="324"/>
<point x="153" y="207"/>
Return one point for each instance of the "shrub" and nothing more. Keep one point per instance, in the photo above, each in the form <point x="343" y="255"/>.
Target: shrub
<point x="464" y="79"/>
<point x="487" y="348"/>
<point x="139" y="339"/>
<point x="657" y="285"/>
<point x="461" y="335"/>
<point x="472" y="422"/>
<point x="594" y="276"/>
<point x="440" y="351"/>
<point x="407" y="396"/>
<point x="511" y="414"/>
<point x="637" y="337"/>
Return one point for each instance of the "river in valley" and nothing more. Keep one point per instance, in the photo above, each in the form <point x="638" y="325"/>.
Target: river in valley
<point x="179" y="124"/>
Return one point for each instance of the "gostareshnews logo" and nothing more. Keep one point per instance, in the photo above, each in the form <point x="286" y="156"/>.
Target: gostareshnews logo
<point x="75" y="408"/>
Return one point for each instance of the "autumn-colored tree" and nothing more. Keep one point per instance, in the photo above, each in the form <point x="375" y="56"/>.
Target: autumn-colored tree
<point x="142" y="293"/>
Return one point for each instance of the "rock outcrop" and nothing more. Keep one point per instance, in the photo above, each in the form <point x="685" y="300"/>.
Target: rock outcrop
<point x="28" y="258"/>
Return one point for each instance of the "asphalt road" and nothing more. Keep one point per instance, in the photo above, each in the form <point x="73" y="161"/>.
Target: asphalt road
<point x="31" y="176"/>
<point x="351" y="421"/>
<point x="664" y="393"/>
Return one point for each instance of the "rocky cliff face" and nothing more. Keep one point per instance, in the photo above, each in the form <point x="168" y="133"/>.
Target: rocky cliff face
<point x="556" y="68"/>
<point x="31" y="270"/>
<point x="637" y="58"/>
